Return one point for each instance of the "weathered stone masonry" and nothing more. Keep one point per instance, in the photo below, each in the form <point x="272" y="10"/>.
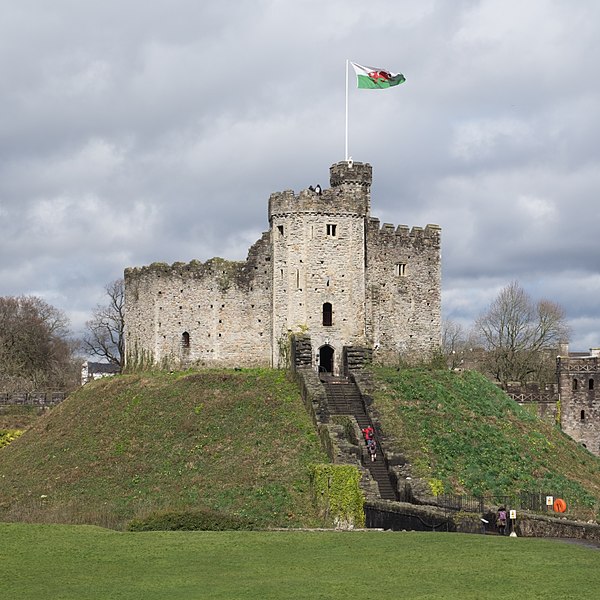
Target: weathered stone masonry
<point x="578" y="381"/>
<point x="325" y="269"/>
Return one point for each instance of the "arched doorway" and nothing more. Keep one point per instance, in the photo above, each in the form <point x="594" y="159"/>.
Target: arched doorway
<point x="326" y="359"/>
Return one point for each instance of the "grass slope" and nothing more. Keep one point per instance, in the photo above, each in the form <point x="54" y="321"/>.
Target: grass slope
<point x="462" y="431"/>
<point x="52" y="562"/>
<point x="234" y="441"/>
<point x="19" y="417"/>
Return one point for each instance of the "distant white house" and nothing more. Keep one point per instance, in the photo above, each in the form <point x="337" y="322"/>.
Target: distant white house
<point x="94" y="370"/>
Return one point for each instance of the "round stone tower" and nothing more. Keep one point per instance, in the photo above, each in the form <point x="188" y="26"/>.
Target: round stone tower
<point x="318" y="242"/>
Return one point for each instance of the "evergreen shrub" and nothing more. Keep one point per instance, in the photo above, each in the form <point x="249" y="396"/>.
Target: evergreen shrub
<point x="189" y="520"/>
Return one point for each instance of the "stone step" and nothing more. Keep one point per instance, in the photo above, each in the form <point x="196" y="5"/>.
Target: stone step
<point x="345" y="399"/>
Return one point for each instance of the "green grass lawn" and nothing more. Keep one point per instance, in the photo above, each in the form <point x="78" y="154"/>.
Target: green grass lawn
<point x="84" y="563"/>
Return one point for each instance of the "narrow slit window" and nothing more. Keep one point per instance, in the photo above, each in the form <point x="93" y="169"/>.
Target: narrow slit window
<point x="331" y="229"/>
<point x="591" y="384"/>
<point x="280" y="230"/>
<point x="574" y="385"/>
<point x="327" y="314"/>
<point x="582" y="415"/>
<point x="400" y="269"/>
<point x="185" y="340"/>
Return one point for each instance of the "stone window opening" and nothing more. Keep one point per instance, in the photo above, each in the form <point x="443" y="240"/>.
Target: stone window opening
<point x="327" y="281"/>
<point x="400" y="269"/>
<point x="331" y="229"/>
<point x="297" y="279"/>
<point x="591" y="384"/>
<point x="574" y="385"/>
<point x="327" y="314"/>
<point x="582" y="415"/>
<point x="185" y="340"/>
<point x="280" y="230"/>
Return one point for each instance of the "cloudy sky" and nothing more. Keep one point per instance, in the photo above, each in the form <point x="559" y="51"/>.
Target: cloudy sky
<point x="135" y="131"/>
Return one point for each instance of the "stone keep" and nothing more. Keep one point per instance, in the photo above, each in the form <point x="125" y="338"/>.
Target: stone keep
<point x="325" y="269"/>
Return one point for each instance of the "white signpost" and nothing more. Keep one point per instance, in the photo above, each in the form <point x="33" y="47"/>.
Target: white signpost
<point x="513" y="518"/>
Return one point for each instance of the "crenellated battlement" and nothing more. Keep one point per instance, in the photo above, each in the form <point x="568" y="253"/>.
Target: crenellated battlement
<point x="351" y="173"/>
<point x="331" y="201"/>
<point x="431" y="232"/>
<point x="193" y="269"/>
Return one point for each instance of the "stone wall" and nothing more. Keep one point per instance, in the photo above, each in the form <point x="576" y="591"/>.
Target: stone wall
<point x="31" y="398"/>
<point x="578" y="380"/>
<point x="404" y="516"/>
<point x="216" y="313"/>
<point x="403" y="291"/>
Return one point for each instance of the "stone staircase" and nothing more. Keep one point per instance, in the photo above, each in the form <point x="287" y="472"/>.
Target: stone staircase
<point x="344" y="398"/>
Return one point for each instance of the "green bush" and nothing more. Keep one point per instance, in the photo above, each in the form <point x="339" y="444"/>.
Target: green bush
<point x="189" y="520"/>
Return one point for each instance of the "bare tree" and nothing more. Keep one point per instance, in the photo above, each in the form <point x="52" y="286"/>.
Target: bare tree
<point x="454" y="342"/>
<point x="104" y="336"/>
<point x="35" y="348"/>
<point x="518" y="334"/>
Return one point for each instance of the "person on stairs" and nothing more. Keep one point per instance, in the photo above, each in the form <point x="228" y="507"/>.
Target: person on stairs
<point x="372" y="448"/>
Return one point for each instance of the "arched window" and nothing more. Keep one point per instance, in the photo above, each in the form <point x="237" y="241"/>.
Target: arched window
<point x="185" y="340"/>
<point x="582" y="415"/>
<point x="591" y="384"/>
<point x="327" y="314"/>
<point x="574" y="385"/>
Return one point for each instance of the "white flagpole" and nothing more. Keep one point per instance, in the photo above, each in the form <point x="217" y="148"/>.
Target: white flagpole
<point x="347" y="66"/>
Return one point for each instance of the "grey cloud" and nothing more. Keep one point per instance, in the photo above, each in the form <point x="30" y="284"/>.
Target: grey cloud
<point x="137" y="132"/>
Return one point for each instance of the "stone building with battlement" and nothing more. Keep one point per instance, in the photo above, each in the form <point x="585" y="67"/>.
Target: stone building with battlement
<point x="578" y="376"/>
<point x="325" y="270"/>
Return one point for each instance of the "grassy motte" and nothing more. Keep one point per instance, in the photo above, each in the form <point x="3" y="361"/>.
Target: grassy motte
<point x="236" y="442"/>
<point x="464" y="435"/>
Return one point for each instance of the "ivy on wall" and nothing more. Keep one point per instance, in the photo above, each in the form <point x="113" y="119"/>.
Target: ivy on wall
<point x="337" y="494"/>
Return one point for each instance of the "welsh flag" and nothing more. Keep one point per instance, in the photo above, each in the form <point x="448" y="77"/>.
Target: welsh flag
<point x="375" y="78"/>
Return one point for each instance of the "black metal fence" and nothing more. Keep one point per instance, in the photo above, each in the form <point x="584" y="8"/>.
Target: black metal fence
<point x="31" y="398"/>
<point x="532" y="501"/>
<point x="399" y="520"/>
